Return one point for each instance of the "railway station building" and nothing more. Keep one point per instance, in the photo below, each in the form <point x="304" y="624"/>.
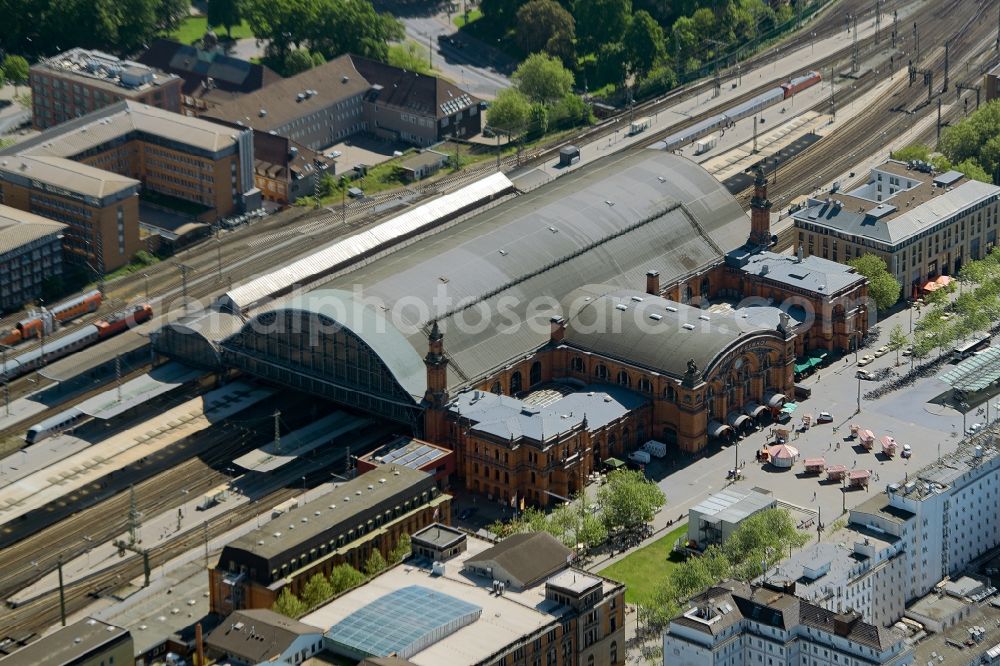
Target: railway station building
<point x="90" y="173"/>
<point x="923" y="223"/>
<point x="370" y="512"/>
<point x="560" y="327"/>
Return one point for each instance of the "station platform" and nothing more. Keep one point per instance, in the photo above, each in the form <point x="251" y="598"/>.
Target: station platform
<point x="95" y="460"/>
<point x="142" y="389"/>
<point x="300" y="442"/>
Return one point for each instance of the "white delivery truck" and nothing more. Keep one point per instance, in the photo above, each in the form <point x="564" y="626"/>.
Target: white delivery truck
<point x="640" y="125"/>
<point x="704" y="145"/>
<point x="655" y="448"/>
<point x="640" y="457"/>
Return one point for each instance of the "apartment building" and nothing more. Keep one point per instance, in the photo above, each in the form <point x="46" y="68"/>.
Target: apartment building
<point x="30" y="253"/>
<point x="736" y="624"/>
<point x="475" y="603"/>
<point x="74" y="83"/>
<point x="351" y="95"/>
<point x="88" y="172"/>
<point x="857" y="569"/>
<point x="945" y="515"/>
<point x="923" y="223"/>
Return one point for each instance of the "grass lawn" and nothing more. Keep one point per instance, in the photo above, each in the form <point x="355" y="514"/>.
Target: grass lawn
<point x="644" y="570"/>
<point x="193" y="28"/>
<point x="460" y="21"/>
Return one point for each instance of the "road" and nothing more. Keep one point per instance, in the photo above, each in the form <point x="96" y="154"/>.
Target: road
<point x="477" y="67"/>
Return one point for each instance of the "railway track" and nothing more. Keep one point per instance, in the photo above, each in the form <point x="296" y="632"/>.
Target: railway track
<point x="886" y="119"/>
<point x="36" y="615"/>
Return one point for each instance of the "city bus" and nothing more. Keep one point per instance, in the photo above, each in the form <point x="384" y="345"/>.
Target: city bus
<point x="967" y="349"/>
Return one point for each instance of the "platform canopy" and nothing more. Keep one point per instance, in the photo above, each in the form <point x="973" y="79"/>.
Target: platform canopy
<point x="976" y="372"/>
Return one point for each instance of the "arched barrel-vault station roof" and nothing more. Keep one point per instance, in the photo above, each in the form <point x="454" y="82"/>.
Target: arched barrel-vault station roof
<point x="651" y="331"/>
<point x="608" y="223"/>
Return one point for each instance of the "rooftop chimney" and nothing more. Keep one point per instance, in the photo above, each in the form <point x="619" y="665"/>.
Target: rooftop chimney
<point x="653" y="283"/>
<point x="557" y="329"/>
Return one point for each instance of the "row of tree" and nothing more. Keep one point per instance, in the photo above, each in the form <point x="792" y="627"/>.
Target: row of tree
<point x="44" y="27"/>
<point x="761" y="538"/>
<point x="972" y="312"/>
<point x="342" y="578"/>
<point x="14" y="68"/>
<point x="626" y="502"/>
<point x="639" y="41"/>
<point x="325" y="28"/>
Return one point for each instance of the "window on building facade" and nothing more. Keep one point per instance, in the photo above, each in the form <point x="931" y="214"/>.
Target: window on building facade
<point x="576" y="364"/>
<point x="601" y="371"/>
<point x="624" y="379"/>
<point x="535" y="375"/>
<point x="515" y="383"/>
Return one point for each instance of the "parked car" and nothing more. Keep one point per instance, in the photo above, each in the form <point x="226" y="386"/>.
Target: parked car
<point x="908" y="351"/>
<point x="865" y="360"/>
<point x="882" y="351"/>
<point x="784" y="417"/>
<point x="907" y="451"/>
<point x="974" y="428"/>
<point x="824" y="417"/>
<point x="865" y="374"/>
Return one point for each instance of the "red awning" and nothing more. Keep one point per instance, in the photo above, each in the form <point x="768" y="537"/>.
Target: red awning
<point x="945" y="280"/>
<point x="888" y="442"/>
<point x="815" y="462"/>
<point x="931" y="286"/>
<point x="859" y="474"/>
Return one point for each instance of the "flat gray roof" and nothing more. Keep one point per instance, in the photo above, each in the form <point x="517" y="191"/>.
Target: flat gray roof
<point x="67" y="645"/>
<point x="733" y="504"/>
<point x="811" y="273"/>
<point x="395" y="482"/>
<point x="505" y="417"/>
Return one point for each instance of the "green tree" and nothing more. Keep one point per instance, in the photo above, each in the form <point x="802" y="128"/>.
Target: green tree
<point x="883" y="287"/>
<point x="628" y="500"/>
<point x="972" y="169"/>
<point x="225" y="13"/>
<point x="913" y="153"/>
<point x="296" y="61"/>
<point x="657" y="82"/>
<point x="502" y="12"/>
<point x="600" y="21"/>
<point x="375" y="564"/>
<point x="570" y="111"/>
<point x="401" y="550"/>
<point x="15" y="69"/>
<point x="170" y="13"/>
<point x="706" y="25"/>
<point x="696" y="574"/>
<point x="509" y="112"/>
<point x="684" y="37"/>
<point x="344" y="577"/>
<point x="766" y="535"/>
<point x="288" y="604"/>
<point x="316" y="590"/>
<point x="612" y="63"/>
<point x="898" y="339"/>
<point x="592" y="532"/>
<point x="542" y="78"/>
<point x="546" y="25"/>
<point x="409" y="56"/>
<point x="643" y="43"/>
